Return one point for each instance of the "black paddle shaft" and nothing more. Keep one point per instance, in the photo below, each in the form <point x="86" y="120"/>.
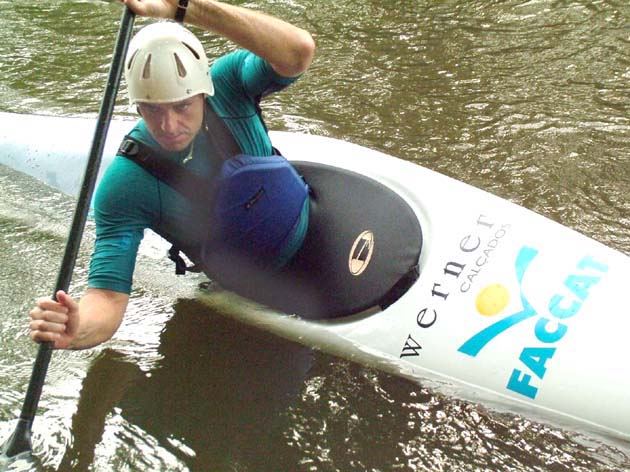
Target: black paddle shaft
<point x="20" y="440"/>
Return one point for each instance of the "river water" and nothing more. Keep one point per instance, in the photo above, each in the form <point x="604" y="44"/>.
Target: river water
<point x="529" y="100"/>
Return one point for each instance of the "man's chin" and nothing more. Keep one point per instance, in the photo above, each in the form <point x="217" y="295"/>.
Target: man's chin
<point x="174" y="146"/>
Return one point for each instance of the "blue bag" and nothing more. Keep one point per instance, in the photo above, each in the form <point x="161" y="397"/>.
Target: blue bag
<point x="258" y="207"/>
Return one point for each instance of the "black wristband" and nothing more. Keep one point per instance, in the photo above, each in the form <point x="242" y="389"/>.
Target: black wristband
<point x="181" y="11"/>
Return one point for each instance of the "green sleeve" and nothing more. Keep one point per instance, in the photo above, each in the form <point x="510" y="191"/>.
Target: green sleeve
<point x="126" y="202"/>
<point x="241" y="78"/>
<point x="242" y="72"/>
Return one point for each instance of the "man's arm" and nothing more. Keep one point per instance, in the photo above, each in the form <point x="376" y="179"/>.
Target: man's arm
<point x="287" y="48"/>
<point x="78" y="325"/>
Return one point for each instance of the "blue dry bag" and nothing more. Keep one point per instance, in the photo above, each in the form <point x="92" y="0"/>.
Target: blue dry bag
<point x="257" y="208"/>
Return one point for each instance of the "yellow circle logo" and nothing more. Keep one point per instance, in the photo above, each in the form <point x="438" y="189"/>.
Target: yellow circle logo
<point x="492" y="300"/>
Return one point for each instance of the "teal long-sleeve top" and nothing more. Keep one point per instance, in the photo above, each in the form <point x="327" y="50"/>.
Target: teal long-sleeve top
<point x="129" y="200"/>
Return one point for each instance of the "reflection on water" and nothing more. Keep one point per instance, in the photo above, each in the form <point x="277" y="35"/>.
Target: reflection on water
<point x="389" y="424"/>
<point x="526" y="99"/>
<point x="215" y="397"/>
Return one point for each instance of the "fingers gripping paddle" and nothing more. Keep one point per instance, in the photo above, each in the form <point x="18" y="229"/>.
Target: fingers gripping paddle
<point x="19" y="443"/>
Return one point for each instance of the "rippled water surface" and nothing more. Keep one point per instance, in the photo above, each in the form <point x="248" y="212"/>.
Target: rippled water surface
<point x="527" y="99"/>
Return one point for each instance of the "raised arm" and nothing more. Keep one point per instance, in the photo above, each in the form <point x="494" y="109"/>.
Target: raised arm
<point x="286" y="47"/>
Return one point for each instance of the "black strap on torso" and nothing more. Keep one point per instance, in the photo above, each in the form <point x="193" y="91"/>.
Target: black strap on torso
<point x="186" y="182"/>
<point x="189" y="184"/>
<point x="221" y="142"/>
<point x="221" y="145"/>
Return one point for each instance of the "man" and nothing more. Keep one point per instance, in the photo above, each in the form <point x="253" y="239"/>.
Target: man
<point x="185" y="113"/>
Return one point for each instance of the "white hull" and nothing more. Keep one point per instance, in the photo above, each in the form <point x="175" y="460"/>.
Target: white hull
<point x="510" y="307"/>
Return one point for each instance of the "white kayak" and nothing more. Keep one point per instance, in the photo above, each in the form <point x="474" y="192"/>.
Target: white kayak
<point x="506" y="307"/>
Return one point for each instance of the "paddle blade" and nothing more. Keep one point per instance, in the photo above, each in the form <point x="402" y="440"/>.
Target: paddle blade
<point x="17" y="449"/>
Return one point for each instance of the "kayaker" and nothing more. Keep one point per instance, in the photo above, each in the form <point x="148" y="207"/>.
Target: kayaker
<point x="198" y="120"/>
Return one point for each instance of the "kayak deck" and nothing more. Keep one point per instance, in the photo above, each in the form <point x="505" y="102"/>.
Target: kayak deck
<point x="361" y="251"/>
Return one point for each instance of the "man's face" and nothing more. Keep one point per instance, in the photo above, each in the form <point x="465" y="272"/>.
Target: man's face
<point x="174" y="125"/>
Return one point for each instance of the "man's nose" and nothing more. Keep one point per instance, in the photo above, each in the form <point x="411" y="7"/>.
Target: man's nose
<point x="168" y="121"/>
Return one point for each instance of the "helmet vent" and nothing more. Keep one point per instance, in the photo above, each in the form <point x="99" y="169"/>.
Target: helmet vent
<point x="181" y="70"/>
<point x="146" y="71"/>
<point x="192" y="50"/>
<point x="131" y="59"/>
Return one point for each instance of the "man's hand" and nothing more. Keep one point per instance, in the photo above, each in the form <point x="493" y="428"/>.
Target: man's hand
<point x="78" y="325"/>
<point x="153" y="8"/>
<point x="55" y="321"/>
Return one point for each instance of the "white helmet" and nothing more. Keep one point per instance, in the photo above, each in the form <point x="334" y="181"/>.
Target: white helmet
<point x="166" y="63"/>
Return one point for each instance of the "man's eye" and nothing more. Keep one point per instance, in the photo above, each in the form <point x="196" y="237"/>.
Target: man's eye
<point x="149" y="109"/>
<point x="182" y="107"/>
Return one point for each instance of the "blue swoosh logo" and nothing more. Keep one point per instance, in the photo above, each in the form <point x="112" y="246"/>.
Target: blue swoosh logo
<point x="475" y="344"/>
